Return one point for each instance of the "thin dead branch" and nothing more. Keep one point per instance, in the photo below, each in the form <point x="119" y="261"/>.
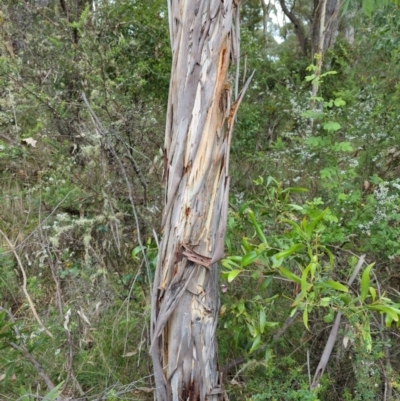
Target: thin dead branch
<point x="333" y="334"/>
<point x="24" y="284"/>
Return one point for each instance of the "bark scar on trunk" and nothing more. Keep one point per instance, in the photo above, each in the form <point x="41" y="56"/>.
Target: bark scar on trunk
<point x="195" y="257"/>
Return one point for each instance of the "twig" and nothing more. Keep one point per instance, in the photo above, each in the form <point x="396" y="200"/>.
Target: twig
<point x="99" y="127"/>
<point x="41" y="224"/>
<point x="333" y="334"/>
<point x="24" y="283"/>
<point x="8" y="139"/>
<point x="239" y="361"/>
<point x="308" y="367"/>
<point x="22" y="348"/>
<point x="387" y="394"/>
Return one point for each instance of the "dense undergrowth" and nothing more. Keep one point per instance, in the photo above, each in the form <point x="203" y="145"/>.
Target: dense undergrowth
<point x="81" y="135"/>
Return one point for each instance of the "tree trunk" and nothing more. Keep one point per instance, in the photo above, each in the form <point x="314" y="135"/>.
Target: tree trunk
<point x="298" y="28"/>
<point x="185" y="301"/>
<point x="325" y="25"/>
<point x="266" y="4"/>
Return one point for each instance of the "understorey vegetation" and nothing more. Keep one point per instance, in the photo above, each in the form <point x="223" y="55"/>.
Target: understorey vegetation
<point x="310" y="282"/>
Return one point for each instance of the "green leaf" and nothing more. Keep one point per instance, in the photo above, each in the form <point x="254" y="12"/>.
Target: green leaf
<point x="263" y="320"/>
<point x="232" y="275"/>
<point x="311" y="226"/>
<point x="303" y="282"/>
<point x="268" y="354"/>
<point x="9" y="372"/>
<point x="331" y="126"/>
<point x="365" y="282"/>
<point x="327" y="172"/>
<point x="343" y="147"/>
<point x="345" y="298"/>
<point x="388" y="320"/>
<point x="368" y="7"/>
<point x="329" y="253"/>
<point x="336" y="286"/>
<point x="299" y="297"/>
<point x="325" y="301"/>
<point x="295" y="207"/>
<point x="235" y="258"/>
<point x="270" y="299"/>
<point x="137" y="250"/>
<point x="249" y="258"/>
<point x="338" y="102"/>
<point x="366" y="334"/>
<point x="36" y="344"/>
<point x="286" y="273"/>
<point x="296" y="228"/>
<point x="329" y="317"/>
<point x="373" y="293"/>
<point x="287" y="252"/>
<point x="316" y="115"/>
<point x="331" y="72"/>
<point x="266" y="283"/>
<point x="305" y="318"/>
<point x="258" y="229"/>
<point x="314" y="141"/>
<point x="295" y="189"/>
<point x="53" y="394"/>
<point x="256" y="344"/>
<point x="229" y="264"/>
<point x="385" y="309"/>
<point x="310" y="77"/>
<point x="246" y="244"/>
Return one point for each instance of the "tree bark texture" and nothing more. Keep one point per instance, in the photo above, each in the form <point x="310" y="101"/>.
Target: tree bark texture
<point x="185" y="301"/>
<point x="325" y="25"/>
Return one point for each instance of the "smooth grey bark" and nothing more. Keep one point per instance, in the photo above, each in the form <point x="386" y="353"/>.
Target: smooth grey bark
<point x="325" y="25"/>
<point x="185" y="301"/>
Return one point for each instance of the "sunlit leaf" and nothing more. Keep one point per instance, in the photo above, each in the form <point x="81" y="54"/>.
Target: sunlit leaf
<point x="305" y="318"/>
<point x="249" y="258"/>
<point x="287" y="252"/>
<point x="373" y="293"/>
<point x="262" y="321"/>
<point x="336" y="286"/>
<point x="385" y="309"/>
<point x="256" y="226"/>
<point x="331" y="126"/>
<point x="303" y="282"/>
<point x="286" y="273"/>
<point x="256" y="344"/>
<point x="311" y="226"/>
<point x="365" y="281"/>
<point x="232" y="275"/>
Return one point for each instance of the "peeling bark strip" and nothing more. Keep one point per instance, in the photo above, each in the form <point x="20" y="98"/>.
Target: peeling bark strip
<point x="185" y="300"/>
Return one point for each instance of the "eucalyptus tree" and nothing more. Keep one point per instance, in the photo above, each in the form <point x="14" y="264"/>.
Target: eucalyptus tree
<point x="199" y="125"/>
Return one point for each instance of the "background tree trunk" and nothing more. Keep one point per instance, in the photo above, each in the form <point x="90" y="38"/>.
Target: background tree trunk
<point x="325" y="25"/>
<point x="185" y="299"/>
<point x="298" y="28"/>
<point x="266" y="5"/>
